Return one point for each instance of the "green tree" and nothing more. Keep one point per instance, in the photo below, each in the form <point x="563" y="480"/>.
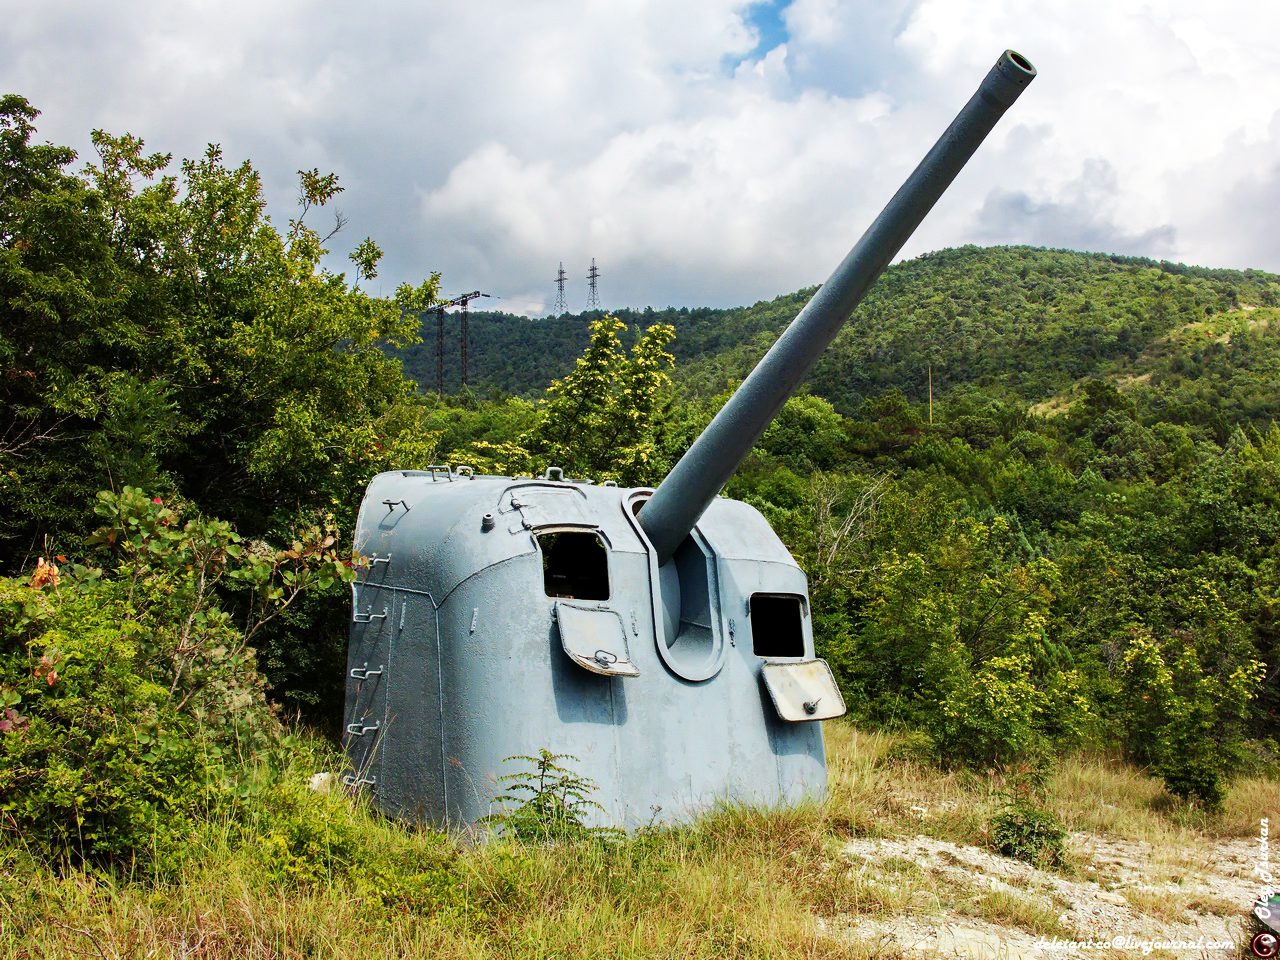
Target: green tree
<point x="607" y="418"/>
<point x="157" y="329"/>
<point x="1186" y="687"/>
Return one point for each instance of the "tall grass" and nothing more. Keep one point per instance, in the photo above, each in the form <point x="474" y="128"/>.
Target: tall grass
<point x="300" y="875"/>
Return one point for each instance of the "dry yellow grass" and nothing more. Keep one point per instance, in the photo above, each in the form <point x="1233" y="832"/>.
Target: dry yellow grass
<point x="1248" y="802"/>
<point x="741" y="883"/>
<point x="1010" y="910"/>
<point x="1160" y="904"/>
<point x="869" y="796"/>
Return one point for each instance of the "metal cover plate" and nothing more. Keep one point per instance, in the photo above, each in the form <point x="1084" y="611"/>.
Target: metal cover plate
<point x="541" y="506"/>
<point x="595" y="639"/>
<point x="803" y="689"/>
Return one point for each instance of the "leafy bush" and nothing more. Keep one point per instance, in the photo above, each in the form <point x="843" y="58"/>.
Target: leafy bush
<point x="992" y="716"/>
<point x="127" y="694"/>
<point x="1186" y="697"/>
<point x="1027" y="832"/>
<point x="302" y="836"/>
<point x="98" y="763"/>
<point x="915" y="747"/>
<point x="1023" y="829"/>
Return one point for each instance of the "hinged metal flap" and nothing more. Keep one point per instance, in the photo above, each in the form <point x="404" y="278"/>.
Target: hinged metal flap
<point x="803" y="689"/>
<point x="595" y="639"/>
<point x="539" y="506"/>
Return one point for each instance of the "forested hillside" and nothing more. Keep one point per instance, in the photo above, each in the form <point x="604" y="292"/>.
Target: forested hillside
<point x="1009" y="321"/>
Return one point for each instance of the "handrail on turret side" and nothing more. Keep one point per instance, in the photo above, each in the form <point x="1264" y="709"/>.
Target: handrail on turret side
<point x="681" y="499"/>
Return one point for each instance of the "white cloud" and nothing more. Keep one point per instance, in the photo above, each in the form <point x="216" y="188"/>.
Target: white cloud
<point x="494" y="139"/>
<point x="1152" y="93"/>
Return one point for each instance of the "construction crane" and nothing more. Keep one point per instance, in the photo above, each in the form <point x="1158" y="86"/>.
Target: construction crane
<point x="462" y="302"/>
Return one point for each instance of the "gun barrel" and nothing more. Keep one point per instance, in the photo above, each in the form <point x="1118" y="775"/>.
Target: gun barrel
<point x="682" y="498"/>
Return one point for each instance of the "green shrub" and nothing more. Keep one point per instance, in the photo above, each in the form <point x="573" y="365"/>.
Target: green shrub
<point x="129" y="695"/>
<point x="96" y="763"/>
<point x="302" y="836"/>
<point x="991" y="717"/>
<point x="1029" y="833"/>
<point x="1023" y="829"/>
<point x="1186" y="697"/>
<point x="916" y="747"/>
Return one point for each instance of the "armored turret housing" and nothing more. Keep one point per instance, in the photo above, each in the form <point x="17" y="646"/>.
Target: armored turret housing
<point x="500" y="615"/>
<point x="663" y="637"/>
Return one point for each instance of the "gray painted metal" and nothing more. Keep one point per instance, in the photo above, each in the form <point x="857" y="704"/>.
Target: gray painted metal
<point x="595" y="638"/>
<point x="459" y="658"/>
<point x="669" y="649"/>
<point x="709" y="463"/>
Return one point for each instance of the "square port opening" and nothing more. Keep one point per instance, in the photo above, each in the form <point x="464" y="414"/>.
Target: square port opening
<point x="575" y="565"/>
<point x="777" y="625"/>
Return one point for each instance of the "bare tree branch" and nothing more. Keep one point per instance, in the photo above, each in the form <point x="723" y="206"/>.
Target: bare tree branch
<point x="18" y="436"/>
<point x="834" y="535"/>
<point x="339" y="221"/>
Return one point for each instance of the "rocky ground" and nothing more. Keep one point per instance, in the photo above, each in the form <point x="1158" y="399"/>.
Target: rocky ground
<point x="1125" y="897"/>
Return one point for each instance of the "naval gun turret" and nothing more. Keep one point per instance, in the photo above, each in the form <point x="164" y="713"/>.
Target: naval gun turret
<point x="663" y="637"/>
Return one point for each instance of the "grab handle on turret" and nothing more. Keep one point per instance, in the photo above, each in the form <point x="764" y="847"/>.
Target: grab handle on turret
<point x="682" y="498"/>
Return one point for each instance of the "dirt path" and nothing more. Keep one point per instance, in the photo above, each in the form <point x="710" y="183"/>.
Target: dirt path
<point x="968" y="902"/>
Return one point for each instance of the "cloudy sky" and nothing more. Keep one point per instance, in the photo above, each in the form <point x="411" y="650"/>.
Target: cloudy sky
<point x="704" y="152"/>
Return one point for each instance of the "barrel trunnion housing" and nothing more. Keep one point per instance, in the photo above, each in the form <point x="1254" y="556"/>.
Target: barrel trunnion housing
<point x="662" y="637"/>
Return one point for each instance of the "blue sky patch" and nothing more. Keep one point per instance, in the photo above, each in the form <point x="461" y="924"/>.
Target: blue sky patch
<point x="766" y="18"/>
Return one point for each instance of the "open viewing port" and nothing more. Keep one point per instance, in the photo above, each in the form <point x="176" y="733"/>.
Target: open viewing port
<point x="575" y="565"/>
<point x="777" y="625"/>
